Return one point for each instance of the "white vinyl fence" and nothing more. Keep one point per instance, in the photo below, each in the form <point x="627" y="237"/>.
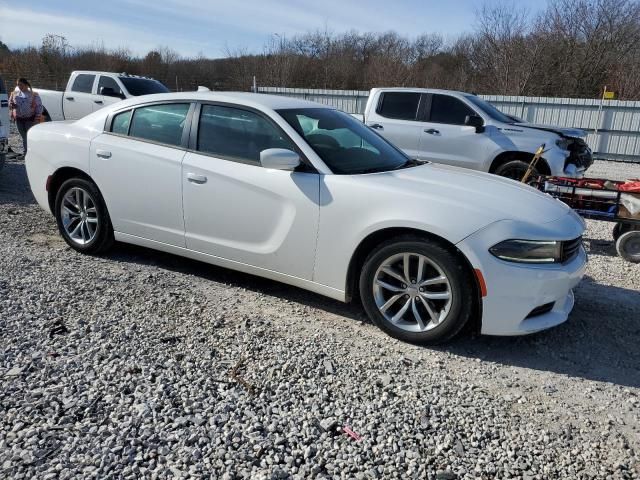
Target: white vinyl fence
<point x="613" y="126"/>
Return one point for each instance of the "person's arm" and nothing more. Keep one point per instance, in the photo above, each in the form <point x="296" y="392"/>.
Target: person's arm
<point x="37" y="101"/>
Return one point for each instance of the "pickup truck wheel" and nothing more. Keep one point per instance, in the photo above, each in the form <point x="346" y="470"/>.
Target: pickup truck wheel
<point x="416" y="291"/>
<point x="628" y="246"/>
<point x="516" y="169"/>
<point x="82" y="217"/>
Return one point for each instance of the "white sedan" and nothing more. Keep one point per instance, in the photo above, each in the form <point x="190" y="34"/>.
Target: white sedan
<point x="307" y="195"/>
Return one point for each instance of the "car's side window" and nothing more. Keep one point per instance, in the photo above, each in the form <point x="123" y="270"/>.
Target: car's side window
<point x="447" y="109"/>
<point x="399" y="105"/>
<point x="237" y="134"/>
<point x="83" y="83"/>
<point x="160" y="123"/>
<point x="108" y="82"/>
<point x="121" y="122"/>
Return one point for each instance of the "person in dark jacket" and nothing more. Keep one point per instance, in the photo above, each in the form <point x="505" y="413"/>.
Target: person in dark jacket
<point x="26" y="108"/>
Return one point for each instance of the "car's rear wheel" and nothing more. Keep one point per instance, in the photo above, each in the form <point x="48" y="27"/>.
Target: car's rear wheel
<point x="416" y="291"/>
<point x="82" y="217"/>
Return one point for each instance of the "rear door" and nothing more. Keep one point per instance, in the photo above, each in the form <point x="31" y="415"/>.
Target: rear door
<point x="137" y="165"/>
<point x="79" y="100"/>
<point x="395" y="117"/>
<point x="237" y="210"/>
<point x="100" y="100"/>
<point x="446" y="139"/>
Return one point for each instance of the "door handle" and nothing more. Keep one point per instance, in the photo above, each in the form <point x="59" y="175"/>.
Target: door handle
<point x="195" y="178"/>
<point x="103" y="154"/>
<point x="432" y="131"/>
<point x="98" y="101"/>
<point x="70" y="98"/>
<point x="377" y="126"/>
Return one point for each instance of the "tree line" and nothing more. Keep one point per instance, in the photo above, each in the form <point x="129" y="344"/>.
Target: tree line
<point x="573" y="48"/>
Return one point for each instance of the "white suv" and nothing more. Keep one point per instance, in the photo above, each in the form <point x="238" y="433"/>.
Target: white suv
<point x="4" y="123"/>
<point x="461" y="129"/>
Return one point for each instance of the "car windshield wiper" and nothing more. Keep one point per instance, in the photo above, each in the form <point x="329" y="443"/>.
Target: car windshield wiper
<point x="412" y="162"/>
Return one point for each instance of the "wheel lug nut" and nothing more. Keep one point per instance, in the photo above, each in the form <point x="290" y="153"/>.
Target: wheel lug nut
<point x="421" y="289"/>
<point x="404" y="285"/>
<point x="413" y="281"/>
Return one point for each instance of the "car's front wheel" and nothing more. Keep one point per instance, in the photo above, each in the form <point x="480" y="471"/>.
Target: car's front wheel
<point x="82" y="217"/>
<point x="416" y="290"/>
<point x="516" y="170"/>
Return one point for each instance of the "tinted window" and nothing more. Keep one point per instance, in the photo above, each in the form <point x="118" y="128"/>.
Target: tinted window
<point x="142" y="86"/>
<point x="402" y="105"/>
<point x="446" y="109"/>
<point x="160" y="123"/>
<point x="83" y="83"/>
<point x="489" y="109"/>
<point x="121" y="122"/>
<point x="237" y="134"/>
<point x="108" y="82"/>
<point x="345" y="144"/>
<point x="2" y="87"/>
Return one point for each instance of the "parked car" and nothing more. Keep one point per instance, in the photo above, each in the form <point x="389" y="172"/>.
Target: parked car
<point x="301" y="193"/>
<point x="4" y="123"/>
<point x="88" y="91"/>
<point x="462" y="129"/>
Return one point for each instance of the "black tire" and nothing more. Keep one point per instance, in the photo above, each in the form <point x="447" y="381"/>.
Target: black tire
<point x="102" y="239"/>
<point x="515" y="170"/>
<point x="461" y="287"/>
<point x="628" y="246"/>
<point x="623" y="227"/>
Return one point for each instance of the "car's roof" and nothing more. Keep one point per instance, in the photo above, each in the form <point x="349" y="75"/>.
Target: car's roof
<point x="255" y="100"/>
<point x="421" y="90"/>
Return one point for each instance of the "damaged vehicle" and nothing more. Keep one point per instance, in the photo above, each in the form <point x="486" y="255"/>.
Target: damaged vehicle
<point x="463" y="130"/>
<point x="304" y="194"/>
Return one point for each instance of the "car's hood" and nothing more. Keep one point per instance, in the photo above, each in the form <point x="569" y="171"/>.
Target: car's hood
<point x="564" y="131"/>
<point x="488" y="198"/>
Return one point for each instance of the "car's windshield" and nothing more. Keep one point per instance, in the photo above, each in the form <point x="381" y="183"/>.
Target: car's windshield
<point x="489" y="109"/>
<point x="143" y="86"/>
<point x="345" y="144"/>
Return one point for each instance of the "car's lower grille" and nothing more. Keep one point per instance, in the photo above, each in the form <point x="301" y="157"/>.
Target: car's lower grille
<point x="541" y="310"/>
<point x="570" y="249"/>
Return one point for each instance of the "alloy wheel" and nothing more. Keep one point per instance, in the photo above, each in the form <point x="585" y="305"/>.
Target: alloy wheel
<point x="79" y="216"/>
<point x="412" y="292"/>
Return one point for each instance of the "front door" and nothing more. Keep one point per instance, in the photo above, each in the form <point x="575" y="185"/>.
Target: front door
<point x="137" y="166"/>
<point x="100" y="100"/>
<point x="446" y="139"/>
<point x="237" y="210"/>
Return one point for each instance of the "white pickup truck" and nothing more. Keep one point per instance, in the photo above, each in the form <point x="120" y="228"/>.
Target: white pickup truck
<point x="461" y="129"/>
<point x="4" y="123"/>
<point x="89" y="91"/>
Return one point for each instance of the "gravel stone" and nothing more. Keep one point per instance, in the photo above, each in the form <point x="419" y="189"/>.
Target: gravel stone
<point x="170" y="368"/>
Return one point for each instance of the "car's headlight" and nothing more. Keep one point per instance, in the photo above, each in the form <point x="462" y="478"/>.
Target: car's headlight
<point x="528" y="251"/>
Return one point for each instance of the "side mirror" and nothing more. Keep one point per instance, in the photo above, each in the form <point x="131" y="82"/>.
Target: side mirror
<point x="279" y="159"/>
<point x="475" y="121"/>
<point x="110" y="92"/>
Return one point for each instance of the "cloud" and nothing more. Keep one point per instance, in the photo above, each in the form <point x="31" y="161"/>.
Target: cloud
<point x="23" y="26"/>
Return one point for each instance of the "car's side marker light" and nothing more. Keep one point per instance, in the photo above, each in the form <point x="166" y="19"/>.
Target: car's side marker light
<point x="481" y="282"/>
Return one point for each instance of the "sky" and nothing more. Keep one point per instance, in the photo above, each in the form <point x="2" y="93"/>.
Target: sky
<point x="213" y="27"/>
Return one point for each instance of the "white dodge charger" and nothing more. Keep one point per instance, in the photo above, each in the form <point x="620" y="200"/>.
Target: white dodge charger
<point x="307" y="195"/>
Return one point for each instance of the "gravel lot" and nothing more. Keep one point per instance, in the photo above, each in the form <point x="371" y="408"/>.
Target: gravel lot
<point x="146" y="365"/>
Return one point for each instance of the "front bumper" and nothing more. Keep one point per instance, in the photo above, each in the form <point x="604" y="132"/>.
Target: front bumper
<point x="515" y="290"/>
